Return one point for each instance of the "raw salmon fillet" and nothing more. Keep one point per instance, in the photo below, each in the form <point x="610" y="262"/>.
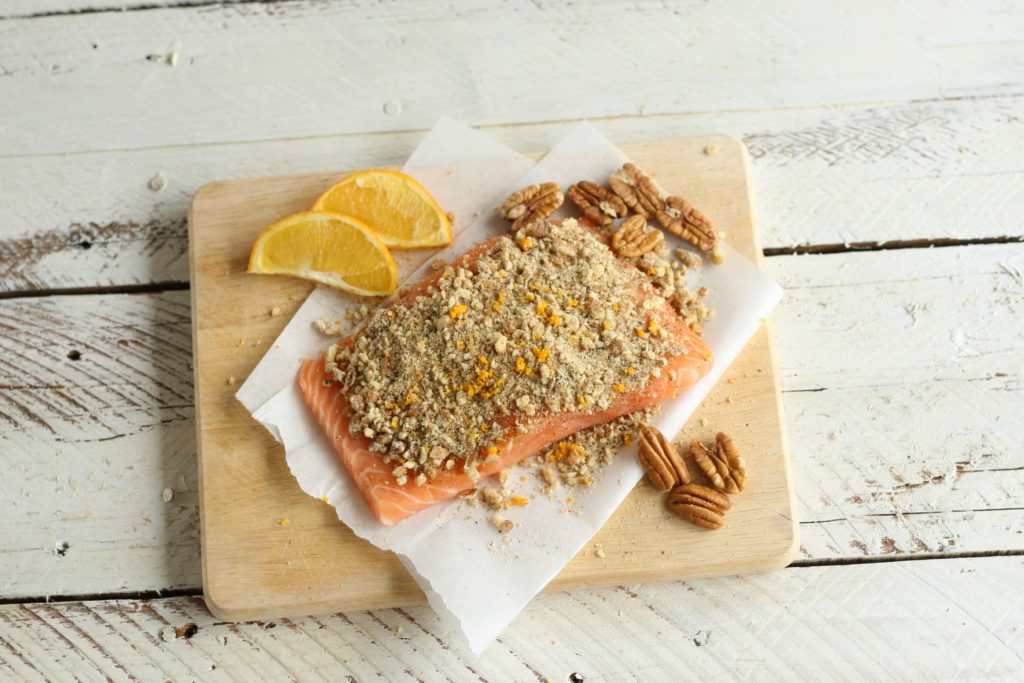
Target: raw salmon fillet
<point x="391" y="502"/>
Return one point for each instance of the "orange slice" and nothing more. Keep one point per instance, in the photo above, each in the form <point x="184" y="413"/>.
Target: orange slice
<point x="394" y="205"/>
<point x="336" y="250"/>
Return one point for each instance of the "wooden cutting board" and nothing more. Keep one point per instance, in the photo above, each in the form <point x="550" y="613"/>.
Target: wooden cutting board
<point x="254" y="567"/>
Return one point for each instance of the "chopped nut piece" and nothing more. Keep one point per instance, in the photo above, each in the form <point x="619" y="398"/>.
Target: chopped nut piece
<point x="686" y="258"/>
<point x="501" y="524"/>
<point x="659" y="458"/>
<point x="328" y="328"/>
<point x="700" y="505"/>
<point x="682" y="219"/>
<point x="532" y="204"/>
<point x="637" y="190"/>
<point x="633" y="239"/>
<point x="492" y="498"/>
<point x="275" y="311"/>
<point x="599" y="206"/>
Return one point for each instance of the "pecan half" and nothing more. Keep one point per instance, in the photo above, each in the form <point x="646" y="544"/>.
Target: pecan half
<point x="664" y="466"/>
<point x="637" y="190"/>
<point x="682" y="219"/>
<point x="532" y="204"/>
<point x="699" y="505"/>
<point x="599" y="206"/>
<point x="723" y="466"/>
<point x="633" y="239"/>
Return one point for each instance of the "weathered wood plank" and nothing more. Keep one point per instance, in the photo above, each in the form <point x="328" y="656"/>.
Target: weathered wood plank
<point x="903" y="372"/>
<point x="334" y="69"/>
<point x="823" y="175"/>
<point x="944" y="620"/>
<point x="903" y="398"/>
<point x="96" y="428"/>
<point x="905" y="433"/>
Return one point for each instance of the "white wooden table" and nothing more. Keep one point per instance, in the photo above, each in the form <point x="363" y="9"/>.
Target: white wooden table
<point x="886" y="138"/>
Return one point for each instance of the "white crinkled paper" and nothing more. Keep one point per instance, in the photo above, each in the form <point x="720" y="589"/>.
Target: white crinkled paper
<point x="476" y="588"/>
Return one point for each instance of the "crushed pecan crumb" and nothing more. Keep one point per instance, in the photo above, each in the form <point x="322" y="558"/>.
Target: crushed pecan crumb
<point x="577" y="459"/>
<point x="517" y="335"/>
<point x="501" y="524"/>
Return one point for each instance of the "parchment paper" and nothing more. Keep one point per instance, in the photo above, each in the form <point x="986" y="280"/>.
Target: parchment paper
<point x="478" y="585"/>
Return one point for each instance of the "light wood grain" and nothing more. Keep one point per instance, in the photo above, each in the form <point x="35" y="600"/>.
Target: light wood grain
<point x="948" y="620"/>
<point x="361" y="67"/>
<point x="243" y="574"/>
<point x="922" y="170"/>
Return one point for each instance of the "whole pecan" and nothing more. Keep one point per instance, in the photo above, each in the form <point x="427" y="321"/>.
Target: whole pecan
<point x="700" y="505"/>
<point x="599" y="206"/>
<point x="633" y="239"/>
<point x="637" y="190"/>
<point x="723" y="466"/>
<point x="664" y="466"/>
<point x="532" y="204"/>
<point x="682" y="219"/>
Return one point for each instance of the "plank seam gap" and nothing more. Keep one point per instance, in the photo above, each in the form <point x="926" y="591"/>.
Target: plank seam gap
<point x="891" y="245"/>
<point x="140" y="7"/>
<point x="89" y="597"/>
<point x="917" y="557"/>
<point x="798" y="564"/>
<point x="153" y="288"/>
<point x="838" y="248"/>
